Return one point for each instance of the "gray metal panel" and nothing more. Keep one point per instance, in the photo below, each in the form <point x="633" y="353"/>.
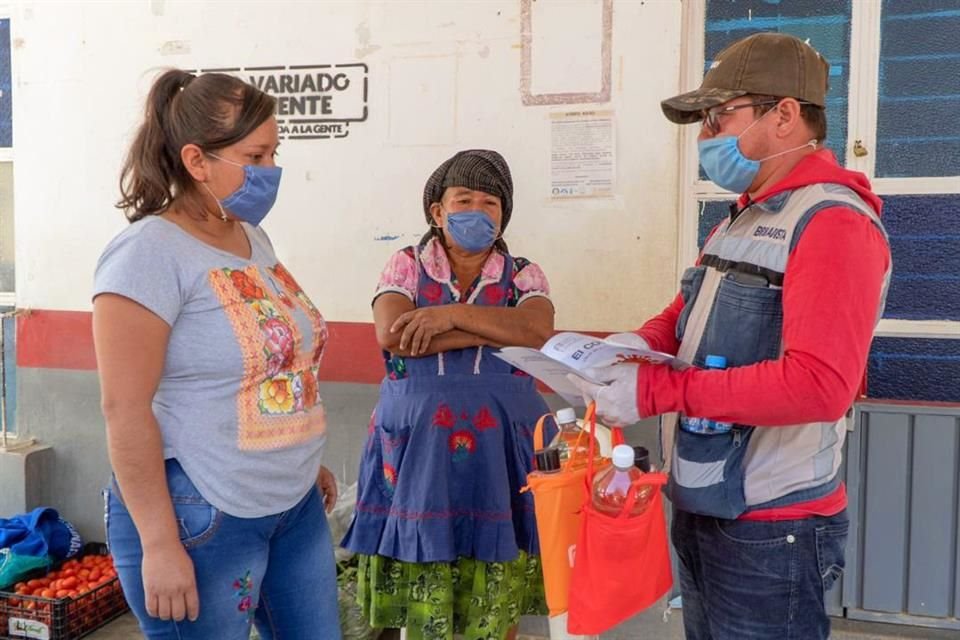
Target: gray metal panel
<point x="933" y="516"/>
<point x="905" y="620"/>
<point x="904" y="408"/>
<point x="956" y="558"/>
<point x="885" y="525"/>
<point x="853" y="460"/>
<point x="903" y="483"/>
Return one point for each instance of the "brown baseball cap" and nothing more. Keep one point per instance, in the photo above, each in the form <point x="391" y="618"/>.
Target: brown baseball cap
<point x="770" y="64"/>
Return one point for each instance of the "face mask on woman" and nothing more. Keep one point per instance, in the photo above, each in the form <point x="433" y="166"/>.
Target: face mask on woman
<point x="253" y="199"/>
<point x="473" y="231"/>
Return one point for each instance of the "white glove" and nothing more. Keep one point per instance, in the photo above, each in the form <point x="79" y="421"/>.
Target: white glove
<point x="629" y="339"/>
<point x="617" y="400"/>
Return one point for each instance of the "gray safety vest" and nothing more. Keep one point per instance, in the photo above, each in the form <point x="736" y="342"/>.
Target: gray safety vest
<point x="733" y="307"/>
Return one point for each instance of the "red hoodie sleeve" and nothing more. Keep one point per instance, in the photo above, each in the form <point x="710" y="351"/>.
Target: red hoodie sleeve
<point x="831" y="293"/>
<point x="660" y="331"/>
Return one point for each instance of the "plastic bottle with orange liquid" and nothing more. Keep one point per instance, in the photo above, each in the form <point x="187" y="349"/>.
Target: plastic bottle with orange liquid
<point x="571" y="441"/>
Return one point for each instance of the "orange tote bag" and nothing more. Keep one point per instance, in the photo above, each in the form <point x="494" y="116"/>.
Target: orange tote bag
<point x="557" y="499"/>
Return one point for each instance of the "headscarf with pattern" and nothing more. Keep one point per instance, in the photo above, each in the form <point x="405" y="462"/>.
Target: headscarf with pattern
<point x="476" y="169"/>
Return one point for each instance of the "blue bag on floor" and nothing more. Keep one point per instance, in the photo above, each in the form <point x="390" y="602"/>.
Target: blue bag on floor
<point x="34" y="540"/>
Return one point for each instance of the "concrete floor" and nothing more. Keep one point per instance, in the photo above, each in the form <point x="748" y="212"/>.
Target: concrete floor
<point x="649" y="625"/>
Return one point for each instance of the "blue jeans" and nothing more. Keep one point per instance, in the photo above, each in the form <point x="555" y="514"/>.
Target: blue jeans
<point x="277" y="571"/>
<point x="744" y="580"/>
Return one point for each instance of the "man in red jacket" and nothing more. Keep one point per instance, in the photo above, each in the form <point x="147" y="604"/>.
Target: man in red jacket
<point x="787" y="290"/>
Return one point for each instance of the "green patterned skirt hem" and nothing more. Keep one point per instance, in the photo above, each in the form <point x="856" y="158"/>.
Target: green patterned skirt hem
<point x="481" y="600"/>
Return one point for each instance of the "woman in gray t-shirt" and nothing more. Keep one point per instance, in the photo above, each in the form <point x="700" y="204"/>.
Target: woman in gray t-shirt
<point x="208" y="353"/>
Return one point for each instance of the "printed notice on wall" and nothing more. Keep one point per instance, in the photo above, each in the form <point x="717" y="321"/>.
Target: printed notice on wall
<point x="582" y="158"/>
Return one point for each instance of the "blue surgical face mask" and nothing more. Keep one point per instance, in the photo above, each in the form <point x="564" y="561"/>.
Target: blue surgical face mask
<point x="473" y="231"/>
<point x="726" y="165"/>
<point x="723" y="163"/>
<point x="253" y="199"/>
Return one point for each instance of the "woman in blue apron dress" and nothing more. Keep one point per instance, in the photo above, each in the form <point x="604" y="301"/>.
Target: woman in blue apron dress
<point x="447" y="542"/>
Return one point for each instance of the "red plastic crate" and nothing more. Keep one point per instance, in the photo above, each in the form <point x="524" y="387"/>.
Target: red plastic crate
<point x="37" y="618"/>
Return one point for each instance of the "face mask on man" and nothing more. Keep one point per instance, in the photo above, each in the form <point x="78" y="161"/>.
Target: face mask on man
<point x="473" y="231"/>
<point x="253" y="199"/>
<point x="726" y="165"/>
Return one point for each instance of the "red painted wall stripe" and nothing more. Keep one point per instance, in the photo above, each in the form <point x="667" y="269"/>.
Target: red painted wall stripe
<point x="55" y="340"/>
<point x="352" y="354"/>
<point x="64" y="340"/>
<point x="48" y="339"/>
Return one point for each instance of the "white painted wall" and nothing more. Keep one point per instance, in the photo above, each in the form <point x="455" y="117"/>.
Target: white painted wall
<point x="82" y="69"/>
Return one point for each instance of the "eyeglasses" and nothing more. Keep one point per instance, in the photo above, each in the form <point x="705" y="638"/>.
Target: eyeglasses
<point x="711" y="117"/>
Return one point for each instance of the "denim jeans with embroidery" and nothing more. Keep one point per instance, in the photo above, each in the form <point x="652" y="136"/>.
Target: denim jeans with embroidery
<point x="750" y="580"/>
<point x="277" y="571"/>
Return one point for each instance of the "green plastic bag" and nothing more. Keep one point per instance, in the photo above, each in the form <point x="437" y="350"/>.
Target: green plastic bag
<point x="15" y="567"/>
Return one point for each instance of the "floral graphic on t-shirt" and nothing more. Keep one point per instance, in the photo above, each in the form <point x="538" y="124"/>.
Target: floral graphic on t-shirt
<point x="308" y="383"/>
<point x="288" y="280"/>
<point x="319" y="326"/>
<point x="276" y="396"/>
<point x="278" y="345"/>
<point x="245" y="285"/>
<point x="278" y="403"/>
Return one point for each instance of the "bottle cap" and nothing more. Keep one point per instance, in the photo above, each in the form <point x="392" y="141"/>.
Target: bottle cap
<point x="641" y="459"/>
<point x="566" y="415"/>
<point x="715" y="362"/>
<point x="547" y="460"/>
<point x="623" y="456"/>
